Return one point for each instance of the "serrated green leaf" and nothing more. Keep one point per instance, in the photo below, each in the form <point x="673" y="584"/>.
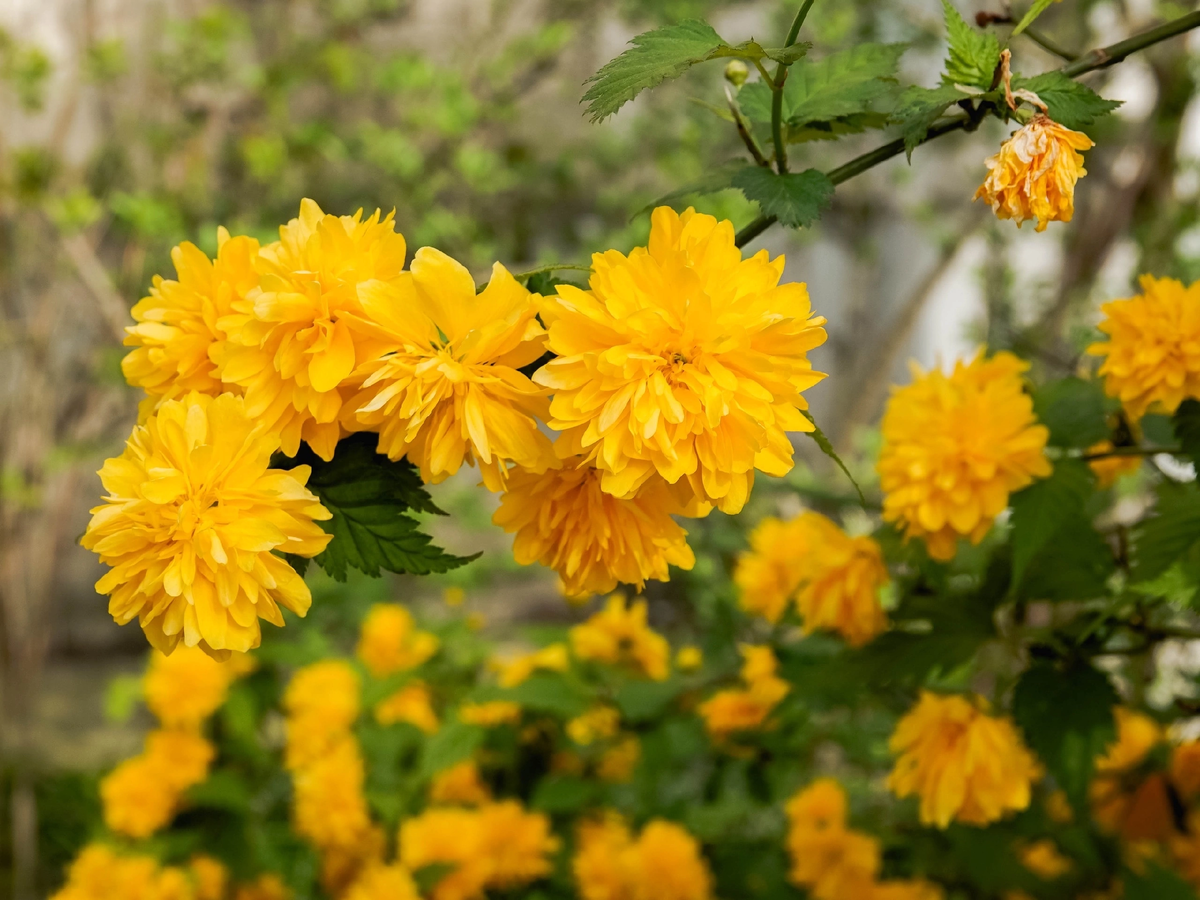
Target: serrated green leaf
<point x="919" y="108"/>
<point x="1186" y="425"/>
<point x="452" y="744"/>
<point x="1041" y="510"/>
<point x="1172" y="531"/>
<point x="1039" y="7"/>
<point x="974" y="54"/>
<point x="1066" y="715"/>
<point x="754" y="99"/>
<point x="1071" y="104"/>
<point x="796" y="199"/>
<point x="836" y="128"/>
<point x="1073" y="410"/>
<point x="369" y="497"/>
<point x="842" y="84"/>
<point x="719" y="179"/>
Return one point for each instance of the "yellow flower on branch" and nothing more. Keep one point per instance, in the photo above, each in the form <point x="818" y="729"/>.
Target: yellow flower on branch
<point x="185" y="688"/>
<point x="99" y="873"/>
<point x="1152" y="352"/>
<point x="598" y="723"/>
<point x="289" y="345"/>
<point x="211" y="877"/>
<point x="833" y="579"/>
<point x="564" y="520"/>
<point x="619" y="635"/>
<point x="1034" y="174"/>
<point x="390" y="641"/>
<point x="747" y="708"/>
<point x="444" y="386"/>
<point x="683" y="361"/>
<point x="955" y="446"/>
<point x="962" y="763"/>
<point x="190" y="522"/>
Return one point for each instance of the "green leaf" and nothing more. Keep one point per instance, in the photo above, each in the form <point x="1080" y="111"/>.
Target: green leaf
<point x="563" y="794"/>
<point x="1166" y="536"/>
<point x="1068" y="102"/>
<point x="1067" y="717"/>
<point x="718" y="179"/>
<point x="1041" y="510"/>
<point x="369" y="496"/>
<point x="455" y="742"/>
<point x="1186" y="425"/>
<point x="640" y="701"/>
<point x="836" y="128"/>
<point x="1074" y="565"/>
<point x="796" y="199"/>
<point x="919" y="108"/>
<point x="550" y="693"/>
<point x="222" y="789"/>
<point x="974" y="54"/>
<point x="827" y="448"/>
<point x="1039" y="7"/>
<point x="842" y="84"/>
<point x="1073" y="410"/>
<point x="121" y="697"/>
<point x="1155" y="882"/>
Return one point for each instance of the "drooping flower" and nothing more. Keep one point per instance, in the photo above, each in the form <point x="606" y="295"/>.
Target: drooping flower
<point x="1034" y="174"/>
<point x="384" y="883"/>
<point x="189" y="524"/>
<point x="955" y="446"/>
<point x="551" y="658"/>
<point x="833" y="579"/>
<point x="593" y="540"/>
<point x="390" y="641"/>
<point x="289" y="346"/>
<point x="459" y="785"/>
<point x="185" y="688"/>
<point x="682" y="361"/>
<point x="828" y="859"/>
<point x="1152" y="352"/>
<point x="619" y="635"/>
<point x="746" y="708"/>
<point x="445" y="386"/>
<point x="412" y="704"/>
<point x="663" y="863"/>
<point x="177" y="333"/>
<point x="962" y="763"/>
<point x="143" y="793"/>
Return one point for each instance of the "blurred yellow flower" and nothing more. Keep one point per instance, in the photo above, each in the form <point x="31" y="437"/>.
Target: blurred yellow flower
<point x="565" y="521"/>
<point x="1034" y="174"/>
<point x="211" y="877"/>
<point x="745" y="709"/>
<point x="683" y="361"/>
<point x="1044" y="859"/>
<point x="552" y="658"/>
<point x="267" y="886"/>
<point x="289" y="345"/>
<point x="99" y="873"/>
<point x="689" y="658"/>
<point x="1152" y="352"/>
<point x="597" y="724"/>
<point x="664" y="863"/>
<point x="914" y="889"/>
<point x="955" y="446"/>
<point x="142" y="794"/>
<point x="833" y="579"/>
<point x="618" y="763"/>
<point x="1137" y="808"/>
<point x="383" y="883"/>
<point x="329" y="807"/>
<point x="1185" y="769"/>
<point x="412" y="704"/>
<point x="619" y="635"/>
<point x="443" y="386"/>
<point x="604" y="865"/>
<point x="176" y="330"/>
<point x="453" y="596"/>
<point x="1108" y="469"/>
<point x="390" y="641"/>
<point x="962" y="763"/>
<point x="185" y="688"/>
<point x="490" y="714"/>
<point x="828" y="859"/>
<point x="459" y="785"/>
<point x="322" y="704"/>
<point x="189" y="524"/>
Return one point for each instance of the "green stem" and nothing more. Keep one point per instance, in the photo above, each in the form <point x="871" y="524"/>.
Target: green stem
<point x="781" y="72"/>
<point x="551" y="267"/>
<point x="798" y="22"/>
<point x="1114" y="53"/>
<point x="1131" y="451"/>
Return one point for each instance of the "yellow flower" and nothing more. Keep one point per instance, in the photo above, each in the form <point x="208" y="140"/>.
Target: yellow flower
<point x="552" y="658"/>
<point x="188" y="686"/>
<point x="598" y="723"/>
<point x="329" y="807"/>
<point x="916" y="889"/>
<point x="412" y="704"/>
<point x="1044" y="860"/>
<point x="619" y="635"/>
<point x="565" y="521"/>
<point x="603" y="864"/>
<point x="267" y="886"/>
<point x="682" y="360"/>
<point x="1138" y="809"/>
<point x="189" y="524"/>
<point x="176" y="330"/>
<point x="142" y="794"/>
<point x="211" y="877"/>
<point x="322" y="704"/>
<point x="98" y="873"/>
<point x="445" y="387"/>
<point x="746" y="709"/>
<point x="290" y="347"/>
<point x="1185" y="769"/>
<point x="342" y="865"/>
<point x="619" y="761"/>
<point x="383" y="883"/>
<point x="460" y="785"/>
<point x="1108" y="469"/>
<point x="689" y="659"/>
<point x="1152" y="354"/>
<point x="962" y="763"/>
<point x="1034" y="174"/>
<point x="490" y="714"/>
<point x="833" y="578"/>
<point x="828" y="859"/>
<point x="453" y="596"/>
<point x="664" y="863"/>
<point x="955" y="446"/>
<point x="390" y="641"/>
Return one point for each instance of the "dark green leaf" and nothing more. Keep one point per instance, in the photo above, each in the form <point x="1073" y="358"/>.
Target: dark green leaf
<point x="827" y="448"/>
<point x="1073" y="410"/>
<point x="640" y="701"/>
<point x="1039" y="7"/>
<point x="754" y="100"/>
<point x="843" y="84"/>
<point x="919" y="108"/>
<point x="1041" y="510"/>
<point x="550" y="693"/>
<point x="563" y="794"/>
<point x="1155" y="883"/>
<point x="221" y="790"/>
<point x="1067" y="717"/>
<point x="1074" y="565"/>
<point x="974" y="54"/>
<point x="795" y="199"/>
<point x="1171" y="532"/>
<point x="1186" y="424"/>
<point x="1068" y="102"/>
<point x="455" y="742"/>
<point x="836" y="128"/>
<point x="369" y="496"/>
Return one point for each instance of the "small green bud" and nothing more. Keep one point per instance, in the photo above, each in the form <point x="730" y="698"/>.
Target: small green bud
<point x="737" y="72"/>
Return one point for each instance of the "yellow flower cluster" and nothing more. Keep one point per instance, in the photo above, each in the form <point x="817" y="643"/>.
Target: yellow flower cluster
<point x="663" y="863"/>
<point x="955" y="446"/>
<point x="552" y="658"/>
<point x="1034" y="174"/>
<point x="100" y="873"/>
<point x="495" y="846"/>
<point x="962" y="763"/>
<point x="747" y="708"/>
<point x="832" y="861"/>
<point x="459" y="785"/>
<point x="833" y="579"/>
<point x="1152" y="352"/>
<point x="618" y="635"/>
<point x="390" y="642"/>
<point x="413" y="704"/>
<point x="185" y="688"/>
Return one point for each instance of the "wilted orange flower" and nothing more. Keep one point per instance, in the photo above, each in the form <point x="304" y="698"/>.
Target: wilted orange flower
<point x="460" y="784"/>
<point x="444" y="386"/>
<point x="329" y="807"/>
<point x="1152" y="354"/>
<point x="189" y="524"/>
<point x="1034" y="174"/>
<point x="619" y="635"/>
<point x="552" y="658"/>
<point x="962" y="763"/>
<point x="828" y="859"/>
<point x="1139" y="809"/>
<point x="664" y="863"/>
<point x="490" y="714"/>
<point x="744" y="709"/>
<point x="565" y="521"/>
<point x="289" y="345"/>
<point x="833" y="579"/>
<point x="412" y="704"/>
<point x="390" y="641"/>
<point x="185" y="688"/>
<point x="683" y="361"/>
<point x="383" y="883"/>
<point x="141" y="794"/>
<point x="955" y="446"/>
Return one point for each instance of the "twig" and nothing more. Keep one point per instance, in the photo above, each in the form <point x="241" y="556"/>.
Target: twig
<point x="1131" y="451"/>
<point x="1050" y="46"/>
<point x="781" y="73"/>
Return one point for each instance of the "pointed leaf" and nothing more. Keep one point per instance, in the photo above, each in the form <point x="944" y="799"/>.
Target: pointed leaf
<point x="1041" y="510"/>
<point x="796" y="199"/>
<point x="1171" y="532"/>
<point x="826" y="447"/>
<point x="919" y="108"/>
<point x="974" y="54"/>
<point x="1039" y="7"/>
<point x="840" y="85"/>
<point x="1071" y="104"/>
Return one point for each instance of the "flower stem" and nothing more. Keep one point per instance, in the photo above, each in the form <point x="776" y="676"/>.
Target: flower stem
<point x="551" y="267"/>
<point x="781" y="72"/>
<point x="1131" y="451"/>
<point x="1049" y="46"/>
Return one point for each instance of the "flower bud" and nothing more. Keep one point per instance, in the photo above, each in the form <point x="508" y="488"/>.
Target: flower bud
<point x="737" y="72"/>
